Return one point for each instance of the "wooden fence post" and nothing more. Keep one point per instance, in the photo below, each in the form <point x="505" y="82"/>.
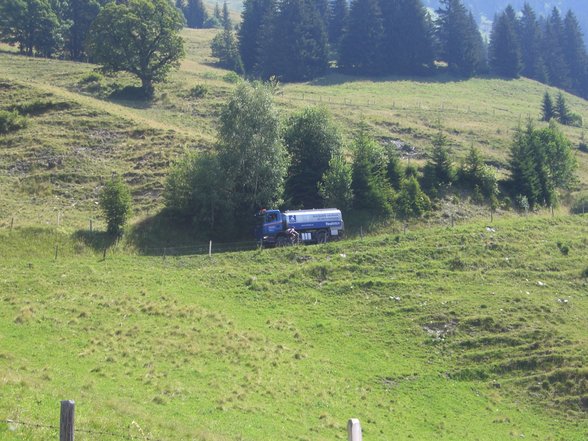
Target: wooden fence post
<point x="210" y="249"/>
<point x="56" y="251"/>
<point x="11" y="224"/>
<point x="91" y="226"/>
<point x="66" y="422"/>
<point x="354" y="430"/>
<point x="361" y="232"/>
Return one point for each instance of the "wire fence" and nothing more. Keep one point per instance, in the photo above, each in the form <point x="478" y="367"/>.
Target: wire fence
<point x="81" y="433"/>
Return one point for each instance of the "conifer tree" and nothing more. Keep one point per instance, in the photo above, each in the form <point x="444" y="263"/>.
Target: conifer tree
<point x="196" y="14"/>
<point x="256" y="14"/>
<point x="505" y="52"/>
<point x="547" y="110"/>
<point x="439" y="171"/>
<point x="339" y="11"/>
<point x="226" y="17"/>
<point x="371" y="188"/>
<point x="460" y="40"/>
<point x="553" y="35"/>
<point x="574" y="50"/>
<point x="295" y="48"/>
<point x="530" y="37"/>
<point x="216" y="13"/>
<point x="408" y="37"/>
<point x="561" y="111"/>
<point x="360" y="48"/>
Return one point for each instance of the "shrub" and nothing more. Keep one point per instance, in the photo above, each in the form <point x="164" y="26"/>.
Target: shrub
<point x="585" y="273"/>
<point x="231" y="77"/>
<point x="198" y="91"/>
<point x="39" y="107"/>
<point x="91" y="77"/>
<point x="115" y="202"/>
<point x="575" y="120"/>
<point x="580" y="205"/>
<point x="11" y="121"/>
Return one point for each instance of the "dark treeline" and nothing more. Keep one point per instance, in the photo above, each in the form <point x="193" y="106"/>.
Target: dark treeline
<point x="50" y="28"/>
<point x="295" y="40"/>
<point x="547" y="49"/>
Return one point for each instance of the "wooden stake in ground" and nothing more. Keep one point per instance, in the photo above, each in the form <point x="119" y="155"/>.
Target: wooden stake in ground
<point x="66" y="422"/>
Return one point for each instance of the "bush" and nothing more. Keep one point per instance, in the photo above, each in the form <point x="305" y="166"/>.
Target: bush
<point x="91" y="77"/>
<point x="231" y="77"/>
<point x="11" y="121"/>
<point x="585" y="273"/>
<point x="198" y="91"/>
<point x="580" y="205"/>
<point x="575" y="120"/>
<point x="115" y="202"/>
<point x="39" y="107"/>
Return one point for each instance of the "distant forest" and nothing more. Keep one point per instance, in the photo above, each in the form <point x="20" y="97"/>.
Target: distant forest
<point x="296" y="40"/>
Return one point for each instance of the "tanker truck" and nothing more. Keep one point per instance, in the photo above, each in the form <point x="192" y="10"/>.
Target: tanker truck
<point x="274" y="228"/>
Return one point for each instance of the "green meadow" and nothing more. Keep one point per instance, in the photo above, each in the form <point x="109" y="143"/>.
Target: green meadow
<point x="467" y="333"/>
<point x="477" y="332"/>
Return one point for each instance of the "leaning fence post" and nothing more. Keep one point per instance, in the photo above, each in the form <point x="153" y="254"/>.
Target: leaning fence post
<point x="11" y="223"/>
<point x="66" y="422"/>
<point x="56" y="251"/>
<point x="354" y="430"/>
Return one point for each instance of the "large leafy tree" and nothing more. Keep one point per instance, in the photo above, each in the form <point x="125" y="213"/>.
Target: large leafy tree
<point x="140" y="37"/>
<point x="312" y="140"/>
<point x="460" y="40"/>
<point x="505" y="50"/>
<point x="407" y="45"/>
<point x="80" y="14"/>
<point x="361" y="45"/>
<point x="251" y="153"/>
<point x="30" y="24"/>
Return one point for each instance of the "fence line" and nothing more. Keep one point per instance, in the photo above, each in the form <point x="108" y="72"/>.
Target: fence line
<point x="77" y="430"/>
<point x="67" y="427"/>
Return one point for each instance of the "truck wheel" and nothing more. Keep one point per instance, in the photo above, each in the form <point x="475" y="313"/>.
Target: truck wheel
<point x="322" y="237"/>
<point x="282" y="241"/>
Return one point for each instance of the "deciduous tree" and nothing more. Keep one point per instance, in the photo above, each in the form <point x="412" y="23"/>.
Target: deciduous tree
<point x="140" y="37"/>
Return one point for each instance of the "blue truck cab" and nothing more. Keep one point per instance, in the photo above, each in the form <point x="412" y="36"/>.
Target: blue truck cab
<point x="274" y="228"/>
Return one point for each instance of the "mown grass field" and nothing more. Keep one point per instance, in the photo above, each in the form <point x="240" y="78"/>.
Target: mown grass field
<point x="456" y="334"/>
<point x="57" y="164"/>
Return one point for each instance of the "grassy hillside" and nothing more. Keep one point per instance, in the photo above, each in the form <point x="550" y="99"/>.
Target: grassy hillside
<point x="457" y="334"/>
<point x="82" y="134"/>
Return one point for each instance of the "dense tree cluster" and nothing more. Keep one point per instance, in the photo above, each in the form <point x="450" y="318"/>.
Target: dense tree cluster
<point x="295" y="39"/>
<point x="548" y="49"/>
<point x="49" y="28"/>
<point x="261" y="161"/>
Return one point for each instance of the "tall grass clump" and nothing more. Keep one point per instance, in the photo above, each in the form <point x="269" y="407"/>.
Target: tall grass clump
<point x="11" y="121"/>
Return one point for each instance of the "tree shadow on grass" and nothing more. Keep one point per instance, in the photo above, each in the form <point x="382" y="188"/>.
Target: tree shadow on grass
<point x="97" y="240"/>
<point x="165" y="233"/>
